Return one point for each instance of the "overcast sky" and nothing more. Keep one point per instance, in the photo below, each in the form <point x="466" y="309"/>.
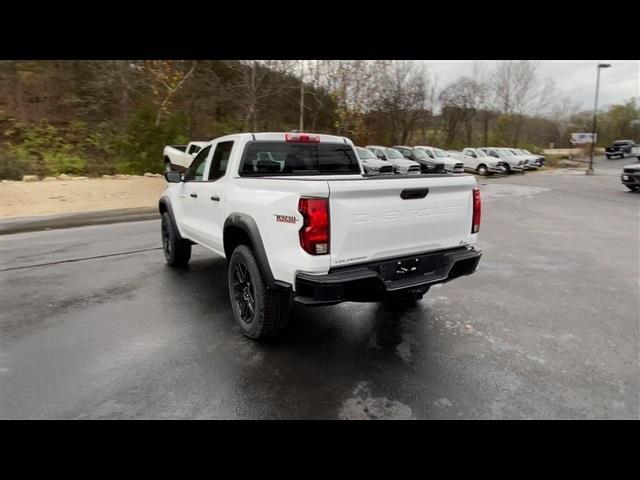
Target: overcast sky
<point x="574" y="79"/>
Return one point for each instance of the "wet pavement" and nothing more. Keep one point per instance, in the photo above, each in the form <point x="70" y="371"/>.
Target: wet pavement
<point x="94" y="325"/>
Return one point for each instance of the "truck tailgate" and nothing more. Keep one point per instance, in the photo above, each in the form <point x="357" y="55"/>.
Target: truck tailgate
<point x="380" y="218"/>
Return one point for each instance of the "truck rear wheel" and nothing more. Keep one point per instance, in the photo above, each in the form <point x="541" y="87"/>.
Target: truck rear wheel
<point x="177" y="251"/>
<point x="261" y="312"/>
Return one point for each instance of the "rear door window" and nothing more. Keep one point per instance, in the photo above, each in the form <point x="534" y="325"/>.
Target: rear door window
<point x="220" y="160"/>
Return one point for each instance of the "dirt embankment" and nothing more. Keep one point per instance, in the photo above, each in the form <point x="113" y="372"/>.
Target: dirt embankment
<point x="24" y="199"/>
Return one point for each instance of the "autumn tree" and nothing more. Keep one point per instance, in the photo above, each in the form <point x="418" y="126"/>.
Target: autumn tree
<point x="165" y="78"/>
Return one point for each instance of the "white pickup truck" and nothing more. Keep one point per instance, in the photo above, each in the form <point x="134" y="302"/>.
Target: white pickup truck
<point x="299" y="220"/>
<point x="179" y="157"/>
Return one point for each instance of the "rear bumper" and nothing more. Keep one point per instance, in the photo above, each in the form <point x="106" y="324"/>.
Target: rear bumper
<point x="368" y="282"/>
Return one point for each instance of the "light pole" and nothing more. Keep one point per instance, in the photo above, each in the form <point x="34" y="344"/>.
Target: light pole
<point x="595" y="113"/>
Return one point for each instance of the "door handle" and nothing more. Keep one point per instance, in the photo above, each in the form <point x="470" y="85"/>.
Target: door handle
<point x="411" y="193"/>
<point x="215" y="198"/>
<point x="194" y="195"/>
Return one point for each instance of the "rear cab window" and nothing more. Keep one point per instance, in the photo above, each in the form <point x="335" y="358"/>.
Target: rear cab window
<point x="270" y="158"/>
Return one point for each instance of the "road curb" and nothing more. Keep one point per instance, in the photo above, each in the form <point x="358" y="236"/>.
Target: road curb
<point x="33" y="224"/>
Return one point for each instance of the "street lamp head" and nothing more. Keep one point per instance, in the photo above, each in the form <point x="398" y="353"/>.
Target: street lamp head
<point x="604" y="65"/>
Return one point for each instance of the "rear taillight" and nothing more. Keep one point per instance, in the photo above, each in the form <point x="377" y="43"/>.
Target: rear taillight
<point x="314" y="234"/>
<point x="477" y="210"/>
<point x="302" y="138"/>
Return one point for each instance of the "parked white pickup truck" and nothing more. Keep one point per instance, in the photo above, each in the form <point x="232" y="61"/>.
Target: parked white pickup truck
<point x="309" y="226"/>
<point x="477" y="161"/>
<point x="179" y="157"/>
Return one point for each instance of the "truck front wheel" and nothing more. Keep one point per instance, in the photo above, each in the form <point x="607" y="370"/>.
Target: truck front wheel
<point x="261" y="312"/>
<point x="177" y="251"/>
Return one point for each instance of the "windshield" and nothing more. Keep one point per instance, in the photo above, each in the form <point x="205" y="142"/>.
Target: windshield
<point x="365" y="154"/>
<point x="527" y="152"/>
<point x="429" y="152"/>
<point x="394" y="154"/>
<point x="280" y="158"/>
<point x="478" y="152"/>
<point x="441" y="153"/>
<point x="420" y="155"/>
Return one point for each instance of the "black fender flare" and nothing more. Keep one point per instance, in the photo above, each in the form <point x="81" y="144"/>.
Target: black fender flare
<point x="249" y="226"/>
<point x="165" y="203"/>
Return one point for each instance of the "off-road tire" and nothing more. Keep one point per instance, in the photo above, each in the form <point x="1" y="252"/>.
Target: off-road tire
<point x="177" y="251"/>
<point x="271" y="306"/>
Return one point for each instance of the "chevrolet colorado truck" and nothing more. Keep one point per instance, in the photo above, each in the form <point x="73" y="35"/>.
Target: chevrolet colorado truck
<point x="298" y="220"/>
<point x="179" y="157"/>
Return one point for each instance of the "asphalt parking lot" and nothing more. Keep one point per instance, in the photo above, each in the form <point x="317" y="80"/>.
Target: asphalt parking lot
<point x="94" y="325"/>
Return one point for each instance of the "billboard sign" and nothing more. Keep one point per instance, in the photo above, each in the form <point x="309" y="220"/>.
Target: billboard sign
<point x="583" y="138"/>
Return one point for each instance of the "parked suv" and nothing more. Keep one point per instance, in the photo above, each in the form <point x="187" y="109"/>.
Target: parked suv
<point x="451" y="164"/>
<point x="427" y="164"/>
<point x="622" y="149"/>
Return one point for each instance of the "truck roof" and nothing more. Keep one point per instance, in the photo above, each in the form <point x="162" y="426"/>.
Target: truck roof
<point x="281" y="136"/>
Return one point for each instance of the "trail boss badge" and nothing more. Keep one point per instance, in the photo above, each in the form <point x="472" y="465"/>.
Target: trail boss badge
<point x="285" y="218"/>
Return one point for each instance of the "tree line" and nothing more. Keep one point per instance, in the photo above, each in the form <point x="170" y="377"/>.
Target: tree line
<point x="115" y="116"/>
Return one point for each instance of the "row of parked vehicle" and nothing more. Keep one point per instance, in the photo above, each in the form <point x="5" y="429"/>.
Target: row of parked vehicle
<point x="402" y="159"/>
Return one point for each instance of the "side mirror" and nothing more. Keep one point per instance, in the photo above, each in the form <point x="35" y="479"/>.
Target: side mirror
<point x="173" y="177"/>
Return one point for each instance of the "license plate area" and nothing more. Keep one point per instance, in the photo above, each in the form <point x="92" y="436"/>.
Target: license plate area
<point x="409" y="268"/>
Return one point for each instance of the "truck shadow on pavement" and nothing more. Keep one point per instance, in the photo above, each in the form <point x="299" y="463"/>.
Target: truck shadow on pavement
<point x="327" y="356"/>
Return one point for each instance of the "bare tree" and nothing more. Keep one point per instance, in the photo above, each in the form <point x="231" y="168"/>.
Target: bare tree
<point x="520" y="91"/>
<point x="111" y="87"/>
<point x="461" y="103"/>
<point x="561" y="114"/>
<point x="402" y="96"/>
